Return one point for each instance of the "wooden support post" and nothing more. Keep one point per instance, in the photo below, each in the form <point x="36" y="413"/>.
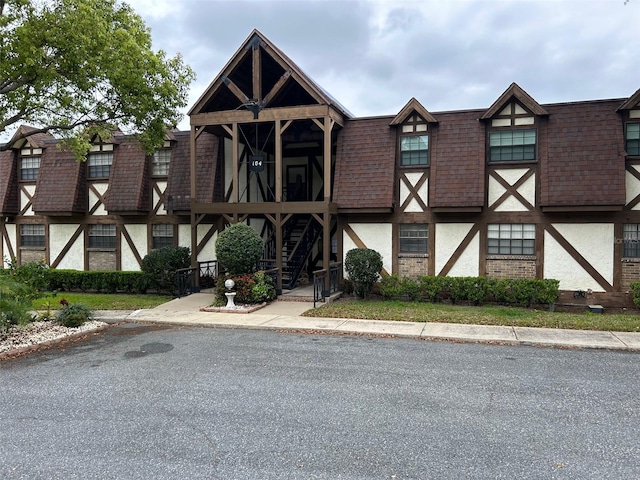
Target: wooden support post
<point x="279" y="227"/>
<point x="278" y="140"/>
<point x="326" y="249"/>
<point x="328" y="126"/>
<point x="234" y="165"/>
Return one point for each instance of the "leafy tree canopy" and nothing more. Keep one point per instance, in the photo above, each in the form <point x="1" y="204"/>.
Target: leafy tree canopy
<point x="76" y="68"/>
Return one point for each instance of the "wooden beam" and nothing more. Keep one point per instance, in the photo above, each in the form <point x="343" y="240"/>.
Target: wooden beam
<point x="269" y="114"/>
<point x="276" y="88"/>
<point x="260" y="208"/>
<point x="192" y="162"/>
<point x="235" y="90"/>
<point x="257" y="72"/>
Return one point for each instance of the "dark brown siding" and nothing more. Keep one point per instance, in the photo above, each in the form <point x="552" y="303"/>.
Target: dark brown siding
<point x="457" y="160"/>
<point x="9" y="202"/>
<point x="129" y="181"/>
<point x="365" y="161"/>
<point x="584" y="163"/>
<point x="61" y="187"/>
<point x="179" y="186"/>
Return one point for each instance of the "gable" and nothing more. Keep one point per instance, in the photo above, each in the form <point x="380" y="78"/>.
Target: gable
<point x="260" y="76"/>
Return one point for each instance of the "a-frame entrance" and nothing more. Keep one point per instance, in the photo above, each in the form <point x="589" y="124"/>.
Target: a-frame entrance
<point x="277" y="131"/>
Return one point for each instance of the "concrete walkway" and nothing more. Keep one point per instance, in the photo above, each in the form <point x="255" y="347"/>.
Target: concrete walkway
<point x="286" y="315"/>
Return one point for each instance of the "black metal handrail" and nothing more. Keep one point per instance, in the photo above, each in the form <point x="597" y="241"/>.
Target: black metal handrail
<point x="186" y="281"/>
<point x="320" y="293"/>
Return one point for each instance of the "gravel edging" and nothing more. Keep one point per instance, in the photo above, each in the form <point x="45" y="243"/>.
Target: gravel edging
<point x="23" y="339"/>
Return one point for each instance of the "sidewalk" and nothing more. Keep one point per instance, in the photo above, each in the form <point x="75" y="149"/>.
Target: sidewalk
<point x="286" y="315"/>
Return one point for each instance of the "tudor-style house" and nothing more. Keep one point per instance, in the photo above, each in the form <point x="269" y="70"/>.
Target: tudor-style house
<point x="519" y="189"/>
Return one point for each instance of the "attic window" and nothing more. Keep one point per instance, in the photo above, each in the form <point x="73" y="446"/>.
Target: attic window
<point x="160" y="161"/>
<point x="414" y="142"/>
<point x="512" y="146"/>
<point x="30" y="163"/>
<point x="632" y="139"/>
<point x="99" y="160"/>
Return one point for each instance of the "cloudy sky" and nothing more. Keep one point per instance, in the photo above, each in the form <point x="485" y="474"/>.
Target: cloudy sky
<point x="373" y="56"/>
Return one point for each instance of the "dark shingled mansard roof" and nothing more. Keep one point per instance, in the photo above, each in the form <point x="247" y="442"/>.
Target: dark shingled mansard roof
<point x="365" y="161"/>
<point x="61" y="187"/>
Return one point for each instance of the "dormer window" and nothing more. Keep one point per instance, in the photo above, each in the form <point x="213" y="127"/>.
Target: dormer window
<point x="632" y="139"/>
<point x="414" y="142"/>
<point x="30" y="163"/>
<point x="99" y="160"/>
<point x="161" y="160"/>
<point x="509" y="138"/>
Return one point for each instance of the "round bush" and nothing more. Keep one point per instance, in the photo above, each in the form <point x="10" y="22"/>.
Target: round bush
<point x="238" y="249"/>
<point x="363" y="266"/>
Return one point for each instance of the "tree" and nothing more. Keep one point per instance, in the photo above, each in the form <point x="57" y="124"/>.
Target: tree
<point x="76" y="68"/>
<point x="238" y="248"/>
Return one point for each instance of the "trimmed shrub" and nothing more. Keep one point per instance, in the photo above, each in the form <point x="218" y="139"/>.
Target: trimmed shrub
<point x="431" y="287"/>
<point x="475" y="290"/>
<point x="635" y="291"/>
<point x="363" y="266"/>
<point x="238" y="249"/>
<point x="74" y="315"/>
<point x="524" y="292"/>
<point x="160" y="267"/>
<point x="467" y="289"/>
<point x="99" y="281"/>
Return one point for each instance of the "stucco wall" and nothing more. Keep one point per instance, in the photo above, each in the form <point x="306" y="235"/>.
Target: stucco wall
<point x="595" y="242"/>
<point x="138" y="234"/>
<point x="209" y="250"/>
<point x="448" y="238"/>
<point x="59" y="235"/>
<point x="8" y="246"/>
<point x="376" y="236"/>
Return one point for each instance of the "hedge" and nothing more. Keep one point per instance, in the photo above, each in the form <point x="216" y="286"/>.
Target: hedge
<point x="97" y="281"/>
<point x="474" y="290"/>
<point x="635" y="291"/>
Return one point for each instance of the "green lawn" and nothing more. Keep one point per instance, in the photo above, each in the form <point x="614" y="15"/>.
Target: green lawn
<point x="485" y="315"/>
<point x="98" y="301"/>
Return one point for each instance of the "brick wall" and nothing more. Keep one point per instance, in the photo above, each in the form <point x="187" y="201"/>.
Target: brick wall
<point x="630" y="273"/>
<point x="413" y="266"/>
<point x="102" y="260"/>
<point x="27" y="256"/>
<point x="511" y="267"/>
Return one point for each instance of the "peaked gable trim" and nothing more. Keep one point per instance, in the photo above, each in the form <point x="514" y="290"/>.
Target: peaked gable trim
<point x="254" y="41"/>
<point x="31" y="135"/>
<point x="514" y="91"/>
<point x="631" y="103"/>
<point x="413" y="105"/>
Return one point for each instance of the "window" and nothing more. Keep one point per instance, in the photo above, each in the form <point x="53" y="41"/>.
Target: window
<point x="162" y="236"/>
<point x="102" y="236"/>
<point x="29" y="167"/>
<point x="512" y="145"/>
<point x="32" y="235"/>
<point x="511" y="239"/>
<point x="413" y="237"/>
<point x="160" y="162"/>
<point x="100" y="164"/>
<point x="414" y="150"/>
<point x="632" y="139"/>
<point x="631" y="238"/>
